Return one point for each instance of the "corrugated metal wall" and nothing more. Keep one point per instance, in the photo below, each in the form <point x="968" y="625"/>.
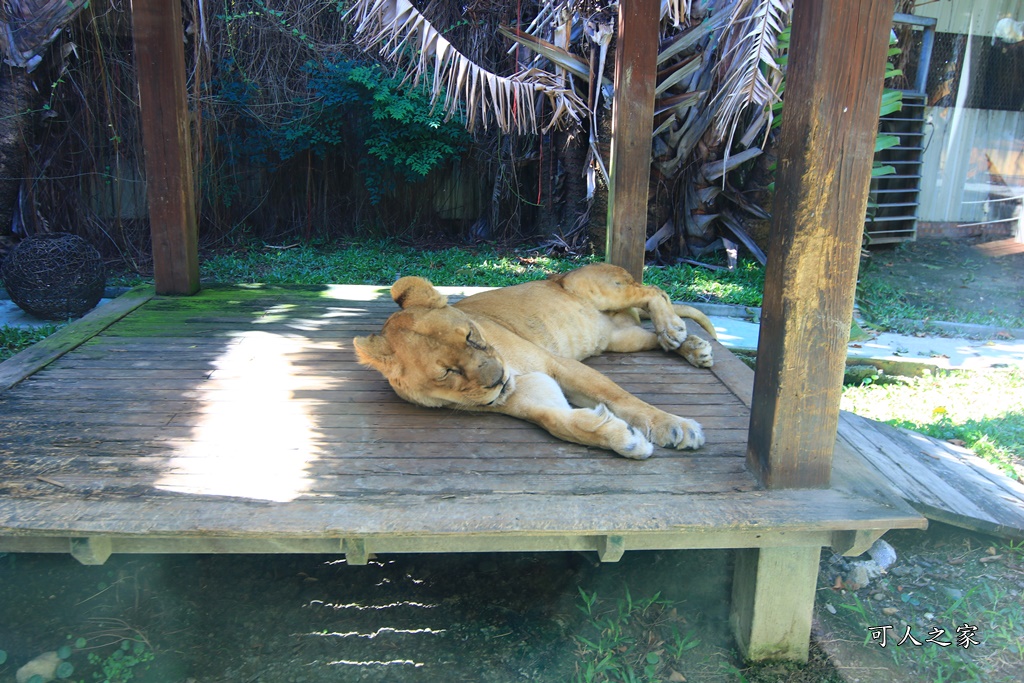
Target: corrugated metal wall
<point x="957" y="16"/>
<point x="974" y="157"/>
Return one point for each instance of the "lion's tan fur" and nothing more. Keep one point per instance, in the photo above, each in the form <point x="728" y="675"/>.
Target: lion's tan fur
<point x="517" y="351"/>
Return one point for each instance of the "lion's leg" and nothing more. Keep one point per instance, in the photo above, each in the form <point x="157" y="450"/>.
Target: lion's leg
<point x="538" y="399"/>
<point x="628" y="337"/>
<point x="585" y="386"/>
<point x="610" y="288"/>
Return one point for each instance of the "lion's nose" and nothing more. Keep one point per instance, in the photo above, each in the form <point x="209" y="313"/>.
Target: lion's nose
<point x="490" y="374"/>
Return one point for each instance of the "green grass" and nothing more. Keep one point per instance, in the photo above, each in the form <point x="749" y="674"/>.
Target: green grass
<point x="632" y="640"/>
<point x="888" y="307"/>
<point x="381" y="263"/>
<point x="14" y="339"/>
<point x="982" y="408"/>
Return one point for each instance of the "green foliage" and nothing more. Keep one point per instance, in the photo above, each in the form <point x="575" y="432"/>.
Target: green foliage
<point x="381" y="263"/>
<point x="373" y="119"/>
<point x="121" y="665"/>
<point x="892" y="99"/>
<point x="14" y="339"/>
<point x="630" y="640"/>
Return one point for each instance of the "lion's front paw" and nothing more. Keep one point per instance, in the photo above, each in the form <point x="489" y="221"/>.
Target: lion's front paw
<point x="697" y="351"/>
<point x="672" y="335"/>
<point x="677" y="432"/>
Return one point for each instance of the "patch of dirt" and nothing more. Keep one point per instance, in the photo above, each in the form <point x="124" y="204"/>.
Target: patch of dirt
<point x="952" y="597"/>
<point x="955" y="278"/>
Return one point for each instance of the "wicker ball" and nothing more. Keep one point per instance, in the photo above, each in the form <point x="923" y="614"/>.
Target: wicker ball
<point x="54" y="276"/>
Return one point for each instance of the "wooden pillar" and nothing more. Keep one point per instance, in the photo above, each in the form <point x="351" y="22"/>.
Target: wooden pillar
<point x="160" y="66"/>
<point x="773" y="602"/>
<point x="830" y="119"/>
<point x="629" y="169"/>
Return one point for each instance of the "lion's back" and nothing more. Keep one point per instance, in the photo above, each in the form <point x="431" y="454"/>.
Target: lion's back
<point x="543" y="313"/>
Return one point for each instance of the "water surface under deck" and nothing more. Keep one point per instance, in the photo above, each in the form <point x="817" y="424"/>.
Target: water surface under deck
<point x="238" y="420"/>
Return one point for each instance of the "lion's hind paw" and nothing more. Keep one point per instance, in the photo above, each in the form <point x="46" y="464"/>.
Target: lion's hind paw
<point x="697" y="351"/>
<point x="678" y="433"/>
<point x="623" y="438"/>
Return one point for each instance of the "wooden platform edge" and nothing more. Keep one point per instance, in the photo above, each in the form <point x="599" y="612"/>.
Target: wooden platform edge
<point x="941" y="481"/>
<point x="39" y="355"/>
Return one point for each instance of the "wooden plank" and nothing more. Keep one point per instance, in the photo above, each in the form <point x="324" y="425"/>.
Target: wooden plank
<point x="386" y="411"/>
<point x="64" y="470"/>
<point x="95" y="447"/>
<point x="629" y="168"/>
<point x="312" y="433"/>
<point x="834" y="85"/>
<point x="209" y="481"/>
<point x="393" y="427"/>
<point x="39" y="355"/>
<point x="423" y="544"/>
<point x="758" y="513"/>
<point x="160" y="65"/>
<point x="944" y="482"/>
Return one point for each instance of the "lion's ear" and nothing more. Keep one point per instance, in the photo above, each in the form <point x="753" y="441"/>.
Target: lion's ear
<point x="376" y="352"/>
<point x="413" y="291"/>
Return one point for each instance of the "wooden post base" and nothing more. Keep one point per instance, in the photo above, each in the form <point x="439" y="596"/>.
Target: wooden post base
<point x="772" y="602"/>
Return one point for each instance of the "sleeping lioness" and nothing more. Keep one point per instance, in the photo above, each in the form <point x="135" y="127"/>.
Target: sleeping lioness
<point x="517" y="351"/>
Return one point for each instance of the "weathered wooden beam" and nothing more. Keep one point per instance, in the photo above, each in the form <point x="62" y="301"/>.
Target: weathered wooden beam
<point x="629" y="169"/>
<point x="834" y="85"/>
<point x="160" y="64"/>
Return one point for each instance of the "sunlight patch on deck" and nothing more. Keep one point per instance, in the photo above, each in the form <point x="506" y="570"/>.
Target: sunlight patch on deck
<point x="254" y="441"/>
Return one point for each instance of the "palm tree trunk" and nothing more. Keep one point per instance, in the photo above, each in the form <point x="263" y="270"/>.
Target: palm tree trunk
<point x="16" y="93"/>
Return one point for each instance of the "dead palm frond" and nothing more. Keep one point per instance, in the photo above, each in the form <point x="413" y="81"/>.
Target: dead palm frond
<point x="748" y="71"/>
<point x="27" y="27"/>
<point x="403" y="34"/>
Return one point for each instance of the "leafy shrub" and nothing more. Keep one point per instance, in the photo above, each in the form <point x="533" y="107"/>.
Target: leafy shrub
<point x="385" y="126"/>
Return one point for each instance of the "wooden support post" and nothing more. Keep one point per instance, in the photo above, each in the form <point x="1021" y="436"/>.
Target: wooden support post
<point x="91" y="551"/>
<point x="773" y="601"/>
<point x="853" y="543"/>
<point x="611" y="548"/>
<point x="160" y="66"/>
<point x="834" y="86"/>
<point x="629" y="168"/>
<point x="355" y="551"/>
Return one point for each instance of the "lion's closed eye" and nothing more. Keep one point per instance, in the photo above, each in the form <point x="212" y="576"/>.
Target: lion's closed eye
<point x="448" y="373"/>
<point x="474" y="340"/>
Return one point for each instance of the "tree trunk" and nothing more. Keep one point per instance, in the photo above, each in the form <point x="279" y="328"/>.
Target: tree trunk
<point x="16" y="93"/>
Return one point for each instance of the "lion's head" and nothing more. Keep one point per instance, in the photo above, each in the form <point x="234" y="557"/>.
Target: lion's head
<point x="433" y="354"/>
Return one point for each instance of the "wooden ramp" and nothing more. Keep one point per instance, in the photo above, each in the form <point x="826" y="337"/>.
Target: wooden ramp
<point x="941" y="481"/>
<point x="239" y="421"/>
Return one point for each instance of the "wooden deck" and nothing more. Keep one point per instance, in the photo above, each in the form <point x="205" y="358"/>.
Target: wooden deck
<point x="239" y="421"/>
